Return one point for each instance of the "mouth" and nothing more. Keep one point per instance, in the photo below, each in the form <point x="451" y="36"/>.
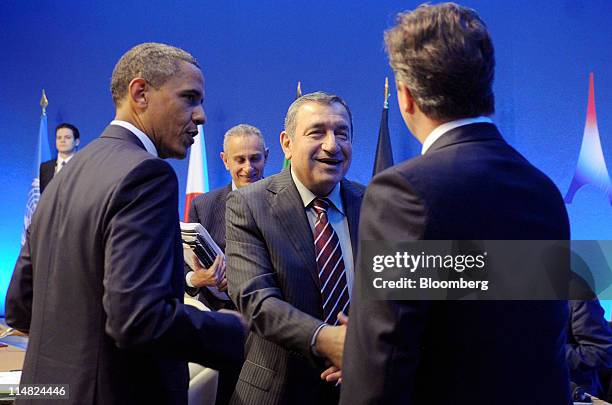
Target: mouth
<point x="330" y="161"/>
<point x="190" y="137"/>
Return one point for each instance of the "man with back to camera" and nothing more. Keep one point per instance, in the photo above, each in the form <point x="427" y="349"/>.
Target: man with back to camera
<point x="291" y="239"/>
<point x="468" y="184"/>
<point x="106" y="316"/>
<point x="244" y="155"/>
<point x="67" y="140"/>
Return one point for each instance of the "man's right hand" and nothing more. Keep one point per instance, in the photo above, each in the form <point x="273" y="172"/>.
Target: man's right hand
<point x="330" y="341"/>
<point x="213" y="276"/>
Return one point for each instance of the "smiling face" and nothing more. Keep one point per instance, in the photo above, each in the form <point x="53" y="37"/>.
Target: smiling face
<point x="174" y="110"/>
<point x="321" y="149"/>
<point x="245" y="157"/>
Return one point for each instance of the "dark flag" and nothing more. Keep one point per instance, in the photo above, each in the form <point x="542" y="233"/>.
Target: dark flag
<point x="384" y="154"/>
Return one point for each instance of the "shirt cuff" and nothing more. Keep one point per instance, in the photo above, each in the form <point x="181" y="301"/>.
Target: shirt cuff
<point x="313" y="341"/>
<point x="188" y="279"/>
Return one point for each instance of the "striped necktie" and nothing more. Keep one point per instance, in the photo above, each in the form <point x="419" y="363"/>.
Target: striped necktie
<point x="334" y="288"/>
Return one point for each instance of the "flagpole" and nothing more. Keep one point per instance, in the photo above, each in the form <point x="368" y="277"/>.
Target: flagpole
<point x="42" y="154"/>
<point x="44" y="102"/>
<point x="386" y="104"/>
<point x="384" y="155"/>
<point x="298" y="94"/>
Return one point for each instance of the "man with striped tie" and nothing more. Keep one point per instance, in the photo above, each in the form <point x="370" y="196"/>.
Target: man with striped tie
<point x="290" y="247"/>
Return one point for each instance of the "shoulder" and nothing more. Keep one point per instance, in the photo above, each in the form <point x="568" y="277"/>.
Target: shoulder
<point x="353" y="187"/>
<point x="48" y="163"/>
<point x="269" y="184"/>
<point x="212" y="195"/>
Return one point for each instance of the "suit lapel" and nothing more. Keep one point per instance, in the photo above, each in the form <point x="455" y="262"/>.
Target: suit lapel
<point x="351" y="198"/>
<point x="288" y="207"/>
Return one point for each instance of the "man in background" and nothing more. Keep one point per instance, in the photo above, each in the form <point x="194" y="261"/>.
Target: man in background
<point x="468" y="184"/>
<point x="99" y="283"/>
<point x="244" y="155"/>
<point x="291" y="240"/>
<point x="67" y="140"/>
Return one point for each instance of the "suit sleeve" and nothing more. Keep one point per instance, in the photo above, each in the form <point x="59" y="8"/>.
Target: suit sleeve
<point x="253" y="284"/>
<point x="592" y="349"/>
<point x="142" y="258"/>
<point x="390" y="332"/>
<point x="18" y="306"/>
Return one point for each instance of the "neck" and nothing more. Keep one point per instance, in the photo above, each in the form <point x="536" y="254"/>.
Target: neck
<point x="423" y="126"/>
<point x="65" y="156"/>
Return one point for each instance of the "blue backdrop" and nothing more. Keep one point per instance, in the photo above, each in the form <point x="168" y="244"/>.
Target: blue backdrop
<point x="254" y="52"/>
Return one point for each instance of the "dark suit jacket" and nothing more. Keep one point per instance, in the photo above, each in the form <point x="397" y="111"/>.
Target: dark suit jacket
<point x="589" y="345"/>
<point x="47" y="170"/>
<point x="99" y="283"/>
<point x="471" y="185"/>
<point x="209" y="210"/>
<point x="273" y="280"/>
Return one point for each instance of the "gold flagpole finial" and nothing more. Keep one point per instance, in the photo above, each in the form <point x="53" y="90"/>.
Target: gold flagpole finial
<point x="299" y="90"/>
<point x="44" y="102"/>
<point x="386" y="92"/>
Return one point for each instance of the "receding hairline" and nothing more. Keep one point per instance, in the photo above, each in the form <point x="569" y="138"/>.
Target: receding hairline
<point x="244" y="130"/>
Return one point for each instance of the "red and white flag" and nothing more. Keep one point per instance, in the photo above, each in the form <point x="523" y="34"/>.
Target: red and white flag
<point x="197" y="174"/>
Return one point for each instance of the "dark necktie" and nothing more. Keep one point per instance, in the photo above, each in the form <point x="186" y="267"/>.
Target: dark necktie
<point x="334" y="288"/>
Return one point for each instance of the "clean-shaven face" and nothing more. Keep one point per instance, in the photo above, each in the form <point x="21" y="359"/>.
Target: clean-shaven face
<point x="321" y="148"/>
<point x="245" y="158"/>
<point x="175" y="110"/>
<point x="65" y="141"/>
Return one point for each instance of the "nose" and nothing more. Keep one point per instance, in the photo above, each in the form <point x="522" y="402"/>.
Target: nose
<point x="248" y="168"/>
<point x="329" y="143"/>
<point x="198" y="116"/>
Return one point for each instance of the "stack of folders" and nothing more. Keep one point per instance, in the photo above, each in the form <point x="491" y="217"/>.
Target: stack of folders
<point x="196" y="239"/>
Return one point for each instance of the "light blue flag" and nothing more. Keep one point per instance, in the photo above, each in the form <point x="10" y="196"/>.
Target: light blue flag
<point x="43" y="154"/>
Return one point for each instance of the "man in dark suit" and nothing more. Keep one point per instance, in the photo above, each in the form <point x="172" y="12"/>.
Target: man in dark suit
<point x="291" y="239"/>
<point x="244" y="155"/>
<point x="99" y="283"/>
<point x="468" y="184"/>
<point x="589" y="339"/>
<point x="67" y="139"/>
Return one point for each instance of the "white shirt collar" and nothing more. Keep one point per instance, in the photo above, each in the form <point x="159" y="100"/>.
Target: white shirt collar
<point x="307" y="195"/>
<point x="60" y="160"/>
<point x="146" y="141"/>
<point x="234" y="188"/>
<point x="447" y="126"/>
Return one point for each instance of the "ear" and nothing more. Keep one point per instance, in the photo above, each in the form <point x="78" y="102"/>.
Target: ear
<point x="286" y="144"/>
<point x="224" y="158"/>
<point x="137" y="92"/>
<point x="77" y="141"/>
<point x="266" y="152"/>
<point x="405" y="99"/>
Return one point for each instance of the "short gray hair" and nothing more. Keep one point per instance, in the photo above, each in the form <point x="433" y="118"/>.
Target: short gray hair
<point x="319" y="97"/>
<point x="243" y="130"/>
<point x="152" y="61"/>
